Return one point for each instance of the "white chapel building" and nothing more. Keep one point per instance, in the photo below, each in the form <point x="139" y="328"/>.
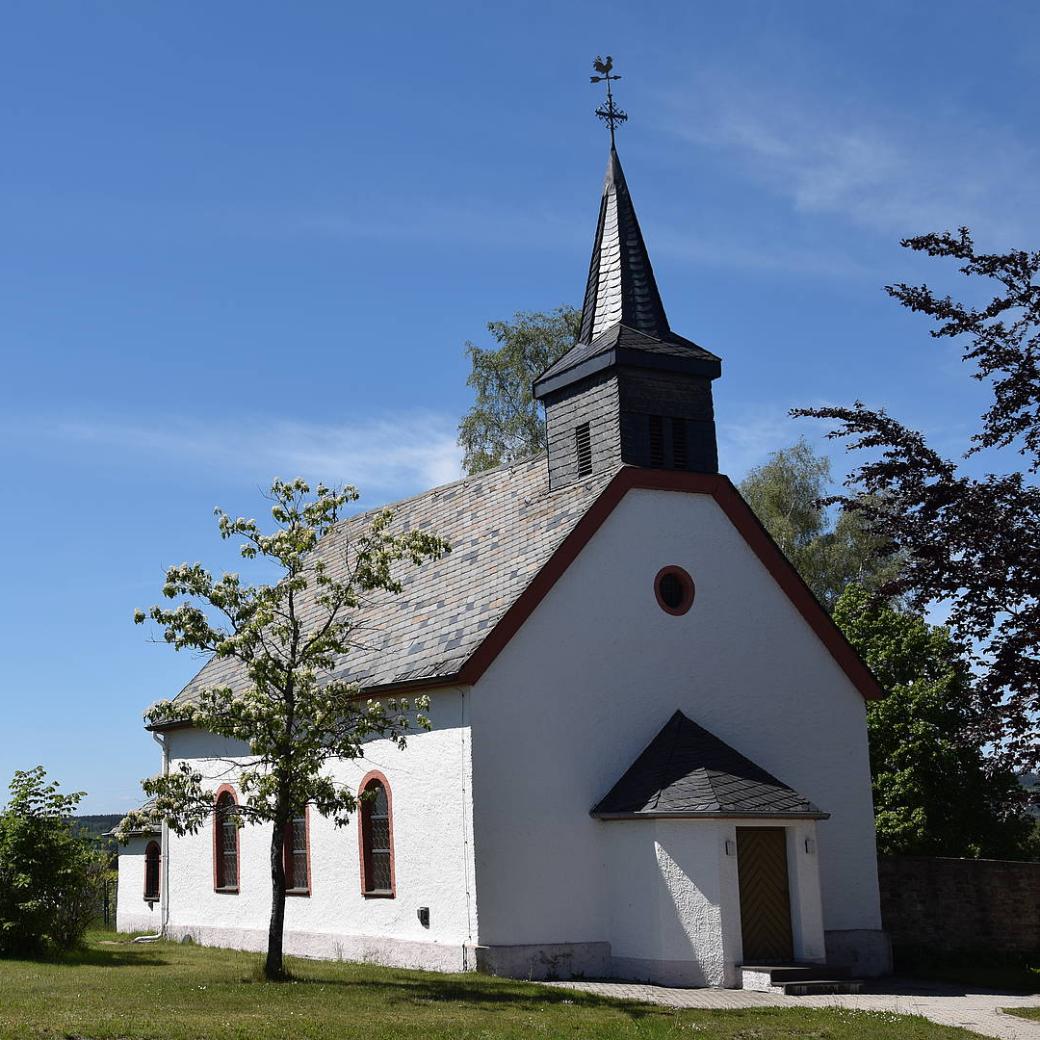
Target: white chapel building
<point x="648" y="755"/>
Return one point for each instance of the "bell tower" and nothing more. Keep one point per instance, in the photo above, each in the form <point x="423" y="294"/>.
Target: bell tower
<point x="630" y="391"/>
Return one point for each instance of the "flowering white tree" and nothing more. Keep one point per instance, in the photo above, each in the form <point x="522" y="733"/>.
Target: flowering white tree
<point x="285" y="703"/>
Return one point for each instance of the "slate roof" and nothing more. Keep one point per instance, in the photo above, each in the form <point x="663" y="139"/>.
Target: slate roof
<point x="503" y="525"/>
<point x="687" y="771"/>
<point x="141" y="831"/>
<point x="622" y="311"/>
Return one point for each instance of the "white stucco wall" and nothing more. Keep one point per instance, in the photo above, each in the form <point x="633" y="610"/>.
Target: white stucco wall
<point x="598" y="669"/>
<point x="674" y="898"/>
<point x="133" y="914"/>
<point x="665" y="901"/>
<point x="430" y="788"/>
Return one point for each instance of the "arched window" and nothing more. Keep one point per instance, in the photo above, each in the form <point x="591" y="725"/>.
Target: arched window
<point x="297" y="857"/>
<point x="225" y="842"/>
<point x="375" y="821"/>
<point x="152" y="859"/>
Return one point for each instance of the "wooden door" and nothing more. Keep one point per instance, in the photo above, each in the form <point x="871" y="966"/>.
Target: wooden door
<point x="765" y="905"/>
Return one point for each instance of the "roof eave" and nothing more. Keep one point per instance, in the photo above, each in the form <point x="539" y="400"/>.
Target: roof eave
<point x="723" y="814"/>
<point x="629" y="357"/>
<point x="165" y="727"/>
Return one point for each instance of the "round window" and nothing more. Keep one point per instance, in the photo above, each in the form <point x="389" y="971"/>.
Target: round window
<point x="674" y="590"/>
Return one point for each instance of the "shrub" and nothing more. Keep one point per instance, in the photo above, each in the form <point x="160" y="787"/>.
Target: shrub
<point x="48" y="875"/>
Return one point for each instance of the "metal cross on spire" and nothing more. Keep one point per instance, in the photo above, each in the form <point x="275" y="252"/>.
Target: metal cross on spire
<point x="609" y="113"/>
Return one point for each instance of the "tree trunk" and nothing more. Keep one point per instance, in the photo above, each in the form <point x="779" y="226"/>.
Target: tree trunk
<point x="274" y="968"/>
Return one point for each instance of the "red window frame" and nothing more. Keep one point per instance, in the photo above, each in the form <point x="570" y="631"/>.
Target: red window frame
<point x="152" y="855"/>
<point x="689" y="590"/>
<point x="291" y="886"/>
<point x="222" y="792"/>
<point x="364" y="837"/>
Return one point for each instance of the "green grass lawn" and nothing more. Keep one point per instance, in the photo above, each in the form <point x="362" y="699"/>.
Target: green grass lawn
<point x="115" y="990"/>
<point x="1030" y="1012"/>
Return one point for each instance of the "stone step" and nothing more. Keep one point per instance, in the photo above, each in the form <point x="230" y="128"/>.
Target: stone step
<point x="798" y="979"/>
<point x="812" y="987"/>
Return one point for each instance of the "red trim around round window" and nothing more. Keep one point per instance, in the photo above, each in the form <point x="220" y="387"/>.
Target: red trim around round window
<point x="671" y="604"/>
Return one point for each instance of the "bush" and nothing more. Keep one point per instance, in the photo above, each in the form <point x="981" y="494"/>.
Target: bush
<point x="48" y="875"/>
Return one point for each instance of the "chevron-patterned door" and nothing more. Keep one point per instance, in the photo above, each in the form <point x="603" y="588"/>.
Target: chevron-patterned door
<point x="765" y="906"/>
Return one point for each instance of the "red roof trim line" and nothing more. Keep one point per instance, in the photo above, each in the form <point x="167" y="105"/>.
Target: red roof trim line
<point x="742" y="518"/>
<point x="628" y="478"/>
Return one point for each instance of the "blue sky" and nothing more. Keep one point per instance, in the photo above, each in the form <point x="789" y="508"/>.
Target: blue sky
<point x="250" y="239"/>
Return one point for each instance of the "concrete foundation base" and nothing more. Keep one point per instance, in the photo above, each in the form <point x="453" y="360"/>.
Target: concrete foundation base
<point x="394" y="953"/>
<point x="867" y="953"/>
<point x="548" y="961"/>
<point x="689" y="973"/>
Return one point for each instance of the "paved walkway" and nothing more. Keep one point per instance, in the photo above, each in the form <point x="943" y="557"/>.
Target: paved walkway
<point x="977" y="1009"/>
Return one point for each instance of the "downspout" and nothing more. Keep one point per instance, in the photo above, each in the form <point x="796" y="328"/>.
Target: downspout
<point x="467" y="843"/>
<point x="164" y="856"/>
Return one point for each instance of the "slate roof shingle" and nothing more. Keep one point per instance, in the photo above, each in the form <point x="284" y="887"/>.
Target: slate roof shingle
<point x="687" y="771"/>
<point x="503" y="525"/>
<point x="140" y="832"/>
<point x="621" y="287"/>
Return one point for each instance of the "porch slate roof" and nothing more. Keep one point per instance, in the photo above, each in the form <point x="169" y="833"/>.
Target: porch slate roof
<point x="687" y="771"/>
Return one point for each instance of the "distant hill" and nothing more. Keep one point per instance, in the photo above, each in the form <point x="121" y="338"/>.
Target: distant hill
<point x="95" y="826"/>
<point x="1030" y="781"/>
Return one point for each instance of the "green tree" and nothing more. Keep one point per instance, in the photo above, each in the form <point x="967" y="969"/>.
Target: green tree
<point x="291" y="716"/>
<point x="505" y="422"/>
<point x="829" y="553"/>
<point x="967" y="540"/>
<point x="935" y="792"/>
<point x="49" y="877"/>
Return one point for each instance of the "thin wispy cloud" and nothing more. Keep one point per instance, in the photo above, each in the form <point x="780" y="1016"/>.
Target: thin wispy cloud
<point x="893" y="172"/>
<point x="385" y="455"/>
<point x="748" y="436"/>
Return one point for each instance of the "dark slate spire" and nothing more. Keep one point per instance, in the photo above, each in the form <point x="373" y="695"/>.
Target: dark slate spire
<point x="630" y="392"/>
<point x="621" y="288"/>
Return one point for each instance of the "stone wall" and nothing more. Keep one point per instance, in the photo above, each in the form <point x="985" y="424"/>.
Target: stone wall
<point x="961" y="904"/>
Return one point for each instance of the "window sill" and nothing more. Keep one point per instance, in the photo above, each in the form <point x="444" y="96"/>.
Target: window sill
<point x="380" y="893"/>
<point x="230" y="891"/>
<point x="297" y="891"/>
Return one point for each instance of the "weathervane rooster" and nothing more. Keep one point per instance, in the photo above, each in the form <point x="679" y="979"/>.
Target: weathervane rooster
<point x="609" y="113"/>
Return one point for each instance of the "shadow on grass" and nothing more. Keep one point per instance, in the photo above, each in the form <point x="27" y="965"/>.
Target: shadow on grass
<point x="93" y="956"/>
<point x="969" y="971"/>
<point x="455" y="990"/>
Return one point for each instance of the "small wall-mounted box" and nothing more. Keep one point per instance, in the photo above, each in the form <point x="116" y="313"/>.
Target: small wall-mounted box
<point x="424" y="916"/>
